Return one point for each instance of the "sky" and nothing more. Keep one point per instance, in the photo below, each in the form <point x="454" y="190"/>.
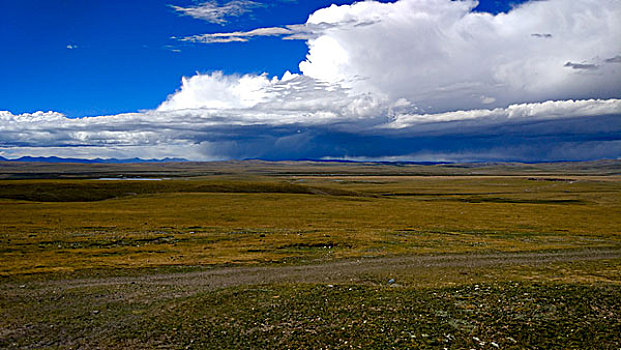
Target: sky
<point x="400" y="80"/>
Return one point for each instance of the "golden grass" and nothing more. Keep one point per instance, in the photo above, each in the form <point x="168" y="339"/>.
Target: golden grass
<point x="188" y="222"/>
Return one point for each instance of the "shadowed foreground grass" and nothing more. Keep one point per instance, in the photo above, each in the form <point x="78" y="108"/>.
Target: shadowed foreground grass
<point x="476" y="316"/>
<point x="568" y="305"/>
<point x="481" y="316"/>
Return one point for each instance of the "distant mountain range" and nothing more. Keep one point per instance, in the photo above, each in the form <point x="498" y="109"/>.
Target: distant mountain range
<point x="91" y="161"/>
<point x="570" y="164"/>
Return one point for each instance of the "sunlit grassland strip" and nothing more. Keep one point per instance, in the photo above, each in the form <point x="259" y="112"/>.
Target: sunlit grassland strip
<point x="295" y="219"/>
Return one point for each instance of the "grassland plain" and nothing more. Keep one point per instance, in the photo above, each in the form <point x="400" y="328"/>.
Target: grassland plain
<point x="120" y="236"/>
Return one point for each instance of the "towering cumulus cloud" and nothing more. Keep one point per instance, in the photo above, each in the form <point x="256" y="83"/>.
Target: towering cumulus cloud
<point x="410" y="80"/>
<point x="442" y="56"/>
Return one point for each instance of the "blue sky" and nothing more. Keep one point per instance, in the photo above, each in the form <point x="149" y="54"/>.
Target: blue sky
<point x="397" y="74"/>
<point x="121" y="57"/>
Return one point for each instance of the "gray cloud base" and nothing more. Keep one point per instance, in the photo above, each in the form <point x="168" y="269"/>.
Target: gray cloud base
<point x="520" y="133"/>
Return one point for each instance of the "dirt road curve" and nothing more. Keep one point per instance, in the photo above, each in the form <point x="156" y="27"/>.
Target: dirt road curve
<point x="330" y="272"/>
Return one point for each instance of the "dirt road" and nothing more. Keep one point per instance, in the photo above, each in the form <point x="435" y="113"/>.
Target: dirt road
<point x="330" y="272"/>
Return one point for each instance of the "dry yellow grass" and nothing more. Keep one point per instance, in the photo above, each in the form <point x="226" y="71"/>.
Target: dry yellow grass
<point x="382" y="216"/>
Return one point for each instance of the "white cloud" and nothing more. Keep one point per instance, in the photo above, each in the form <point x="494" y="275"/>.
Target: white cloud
<point x="533" y="111"/>
<point x="236" y="36"/>
<point x="378" y="79"/>
<point x="208" y="134"/>
<point x="218" y="91"/>
<point x="304" y="31"/>
<point x="292" y="98"/>
<point x="441" y="56"/>
<point x="211" y="11"/>
<point x="72" y="47"/>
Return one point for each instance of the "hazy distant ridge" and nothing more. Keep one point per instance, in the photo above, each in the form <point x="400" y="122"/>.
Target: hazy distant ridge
<point x="91" y="161"/>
